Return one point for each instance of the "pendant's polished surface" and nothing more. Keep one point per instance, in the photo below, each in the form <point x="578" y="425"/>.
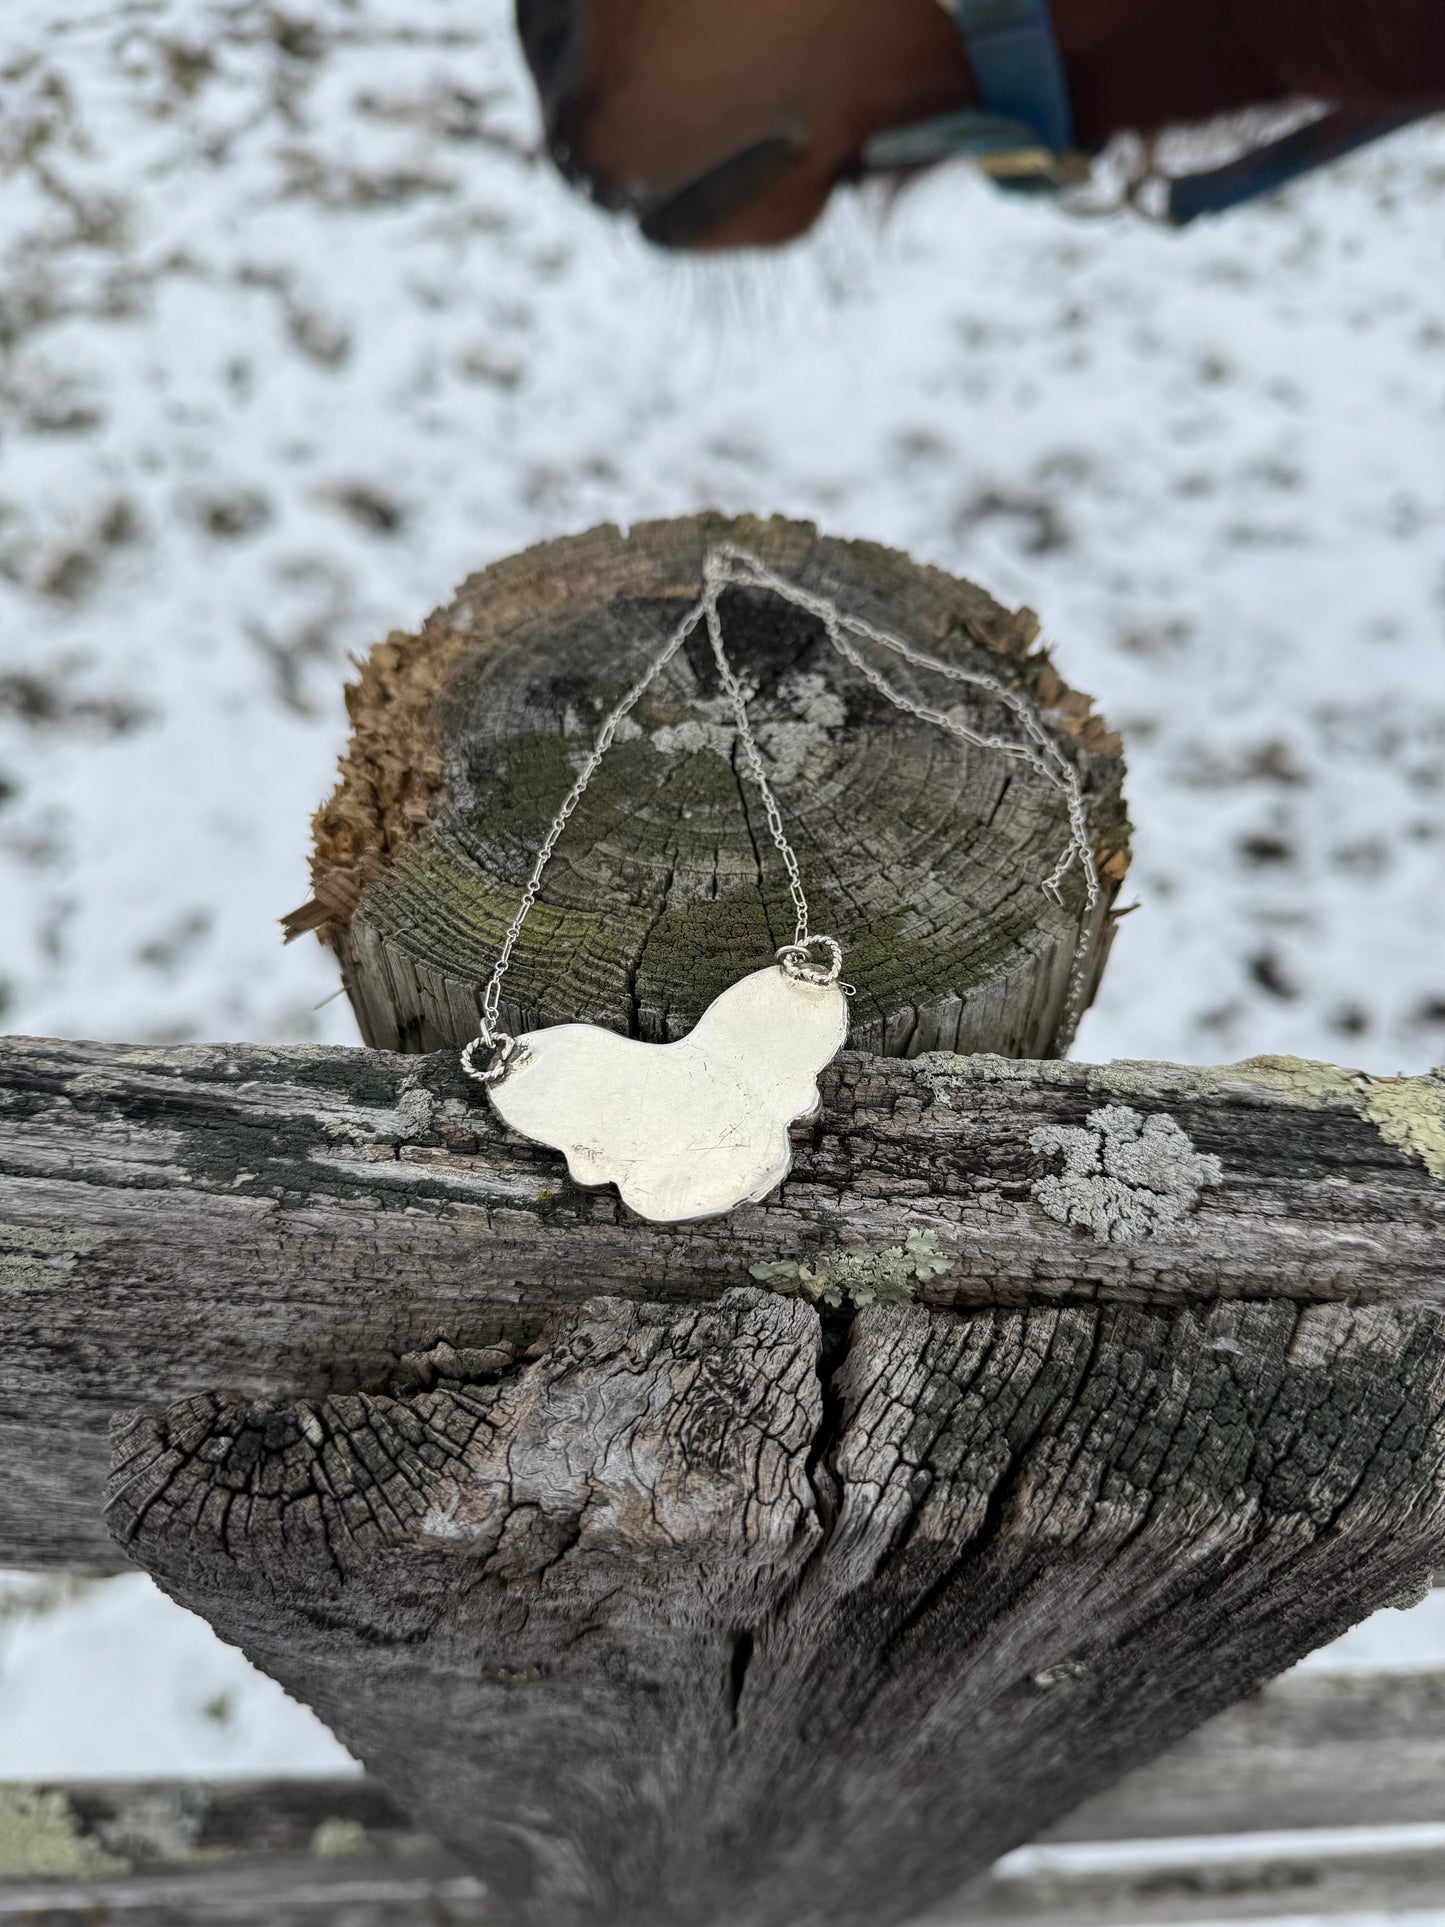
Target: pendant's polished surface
<point x="684" y="1130"/>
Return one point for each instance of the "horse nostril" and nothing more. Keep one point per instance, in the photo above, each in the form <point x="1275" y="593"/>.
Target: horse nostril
<point x="681" y="217"/>
<point x="550" y="31"/>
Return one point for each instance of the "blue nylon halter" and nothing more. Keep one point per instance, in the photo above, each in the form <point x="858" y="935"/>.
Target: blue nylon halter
<point x="1022" y="132"/>
<point x="1025" y="115"/>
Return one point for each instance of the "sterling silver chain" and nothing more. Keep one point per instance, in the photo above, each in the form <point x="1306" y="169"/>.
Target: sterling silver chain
<point x="728" y="565"/>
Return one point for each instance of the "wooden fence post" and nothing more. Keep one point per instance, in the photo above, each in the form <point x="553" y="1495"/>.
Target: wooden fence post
<point x="790" y="1567"/>
<point x="925" y="860"/>
<point x="709" y="1615"/>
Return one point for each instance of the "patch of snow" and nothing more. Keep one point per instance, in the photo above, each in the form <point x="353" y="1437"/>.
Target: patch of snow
<point x="1395" y="1642"/>
<point x="120" y="1683"/>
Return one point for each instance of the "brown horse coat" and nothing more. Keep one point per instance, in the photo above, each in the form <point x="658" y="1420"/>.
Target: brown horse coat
<point x="725" y="125"/>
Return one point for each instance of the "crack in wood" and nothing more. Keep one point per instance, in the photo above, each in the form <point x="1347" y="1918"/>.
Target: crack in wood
<point x="186" y="1192"/>
<point x="737" y="1622"/>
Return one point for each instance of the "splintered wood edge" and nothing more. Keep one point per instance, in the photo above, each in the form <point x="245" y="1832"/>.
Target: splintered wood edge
<point x="391" y="770"/>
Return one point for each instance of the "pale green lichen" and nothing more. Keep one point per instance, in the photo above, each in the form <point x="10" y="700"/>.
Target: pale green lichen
<point x="1304" y="1079"/>
<point x="40" y="1837"/>
<point x="859" y="1278"/>
<point x="1298" y="1078"/>
<point x="337" y="1838"/>
<point x="34" y="1260"/>
<point x="1409" y="1112"/>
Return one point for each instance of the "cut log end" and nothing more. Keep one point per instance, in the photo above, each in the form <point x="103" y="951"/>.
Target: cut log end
<point x="713" y="1617"/>
<point x="924" y="857"/>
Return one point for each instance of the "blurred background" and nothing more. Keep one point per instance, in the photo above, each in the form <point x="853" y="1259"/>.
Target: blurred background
<point x="297" y="329"/>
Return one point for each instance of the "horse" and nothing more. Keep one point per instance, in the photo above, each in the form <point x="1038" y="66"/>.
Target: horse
<point x="726" y="126"/>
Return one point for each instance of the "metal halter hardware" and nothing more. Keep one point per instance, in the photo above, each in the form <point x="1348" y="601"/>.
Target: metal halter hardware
<point x="1022" y="131"/>
<point x="1021" y="134"/>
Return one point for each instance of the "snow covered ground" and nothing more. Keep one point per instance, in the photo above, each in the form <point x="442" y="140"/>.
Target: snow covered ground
<point x="296" y="330"/>
<point x="108" y="1679"/>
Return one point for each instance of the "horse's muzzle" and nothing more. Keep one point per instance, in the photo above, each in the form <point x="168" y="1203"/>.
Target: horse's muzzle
<point x="555" y="36"/>
<point x="680" y="219"/>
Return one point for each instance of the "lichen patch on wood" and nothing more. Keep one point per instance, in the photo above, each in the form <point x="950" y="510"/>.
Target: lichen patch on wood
<point x="40" y="1837"/>
<point x="858" y="1278"/>
<point x="1410" y="1112"/>
<point x="34" y="1259"/>
<point x="1125" y="1177"/>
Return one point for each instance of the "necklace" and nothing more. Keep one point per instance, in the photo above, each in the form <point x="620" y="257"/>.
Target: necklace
<point x="692" y="1129"/>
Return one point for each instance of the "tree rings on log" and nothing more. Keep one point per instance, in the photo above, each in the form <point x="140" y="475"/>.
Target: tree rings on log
<point x="923" y="856"/>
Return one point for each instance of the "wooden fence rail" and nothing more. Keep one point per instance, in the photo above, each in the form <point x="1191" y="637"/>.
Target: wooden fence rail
<point x="291" y="1222"/>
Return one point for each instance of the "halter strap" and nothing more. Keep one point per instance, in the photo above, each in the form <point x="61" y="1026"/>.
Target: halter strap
<point x="1016" y="61"/>
<point x="1275" y="165"/>
<point x="1022" y="132"/>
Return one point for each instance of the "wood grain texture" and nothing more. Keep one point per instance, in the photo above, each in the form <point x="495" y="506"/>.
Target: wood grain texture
<point x="303" y="1893"/>
<point x="290" y="1222"/>
<point x="925" y="858"/>
<point x="721" y="1614"/>
<point x="1312" y="1751"/>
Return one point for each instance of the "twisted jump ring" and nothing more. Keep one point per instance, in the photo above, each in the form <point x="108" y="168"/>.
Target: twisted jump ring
<point x="507" y="1052"/>
<point x="797" y="961"/>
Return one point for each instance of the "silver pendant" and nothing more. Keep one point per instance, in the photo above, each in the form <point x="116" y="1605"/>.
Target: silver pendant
<point x="684" y="1130"/>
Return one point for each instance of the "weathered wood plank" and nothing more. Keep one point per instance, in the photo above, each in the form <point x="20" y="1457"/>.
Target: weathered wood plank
<point x="290" y="1222"/>
<point x="288" y="1853"/>
<point x="426" y="1893"/>
<point x="254" y="1853"/>
<point x="50" y="1828"/>
<point x="1312" y="1750"/>
<point x="689" y="1616"/>
<point x="1302" y="1878"/>
<point x="304" y="1894"/>
<point x="352" y="1894"/>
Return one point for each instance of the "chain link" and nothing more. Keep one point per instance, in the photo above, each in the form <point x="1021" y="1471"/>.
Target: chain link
<point x="728" y="565"/>
<point x="749" y="743"/>
<point x="491" y="1001"/>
